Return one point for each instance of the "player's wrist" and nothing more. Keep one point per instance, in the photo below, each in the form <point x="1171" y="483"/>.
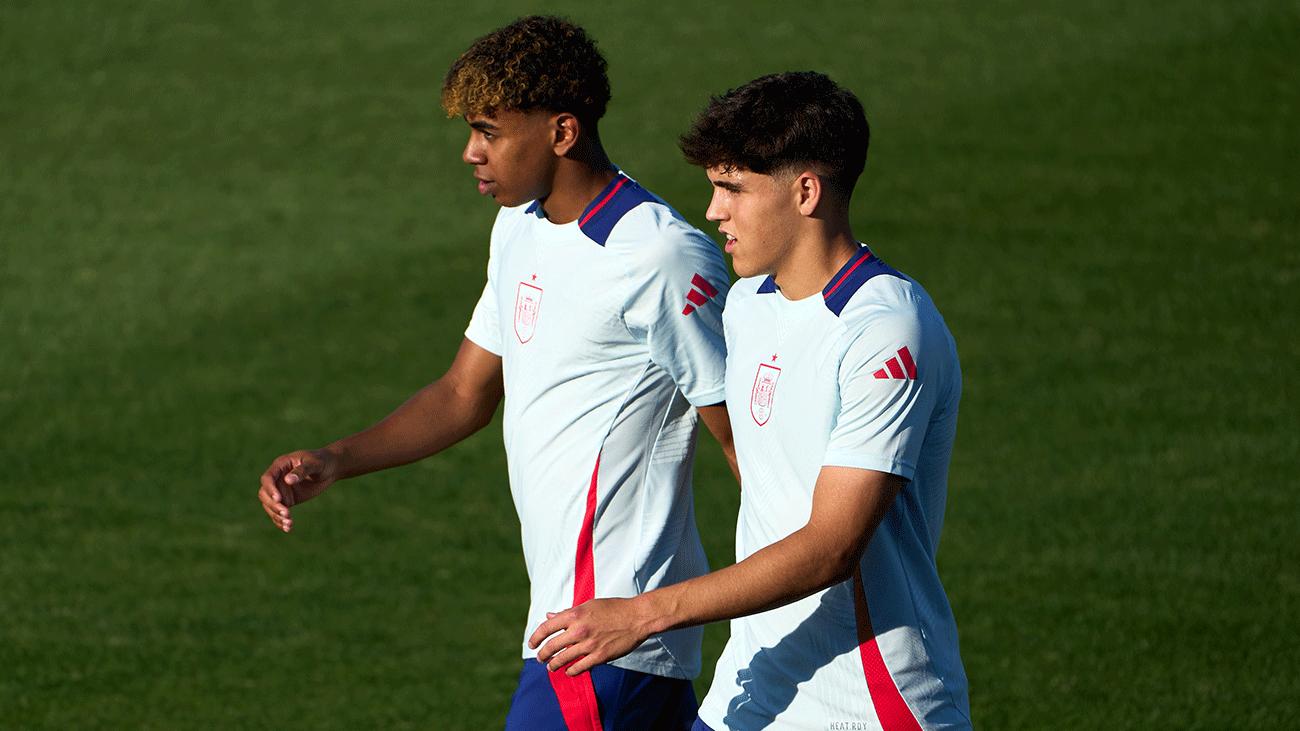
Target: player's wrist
<point x="331" y="461"/>
<point x="658" y="611"/>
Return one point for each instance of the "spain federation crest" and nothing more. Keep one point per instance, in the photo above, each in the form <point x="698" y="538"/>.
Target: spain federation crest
<point x="760" y="401"/>
<point x="527" y="302"/>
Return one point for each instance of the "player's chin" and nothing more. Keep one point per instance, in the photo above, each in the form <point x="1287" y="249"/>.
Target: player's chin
<point x="505" y="199"/>
<point x="743" y="267"/>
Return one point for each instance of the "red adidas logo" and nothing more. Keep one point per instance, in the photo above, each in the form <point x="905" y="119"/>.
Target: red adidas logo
<point x="700" y="293"/>
<point x="902" y="368"/>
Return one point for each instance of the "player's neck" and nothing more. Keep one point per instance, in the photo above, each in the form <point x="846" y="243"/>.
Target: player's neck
<point x="819" y="255"/>
<point x="581" y="175"/>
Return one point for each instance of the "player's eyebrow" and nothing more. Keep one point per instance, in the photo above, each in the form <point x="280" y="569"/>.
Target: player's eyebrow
<point x="727" y="185"/>
<point x="483" y="124"/>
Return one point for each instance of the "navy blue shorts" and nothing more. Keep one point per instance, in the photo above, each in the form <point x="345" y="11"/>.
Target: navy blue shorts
<point x="701" y="726"/>
<point x="604" y="699"/>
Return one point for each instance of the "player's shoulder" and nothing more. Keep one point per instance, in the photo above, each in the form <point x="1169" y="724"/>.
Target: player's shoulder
<point x="890" y="307"/>
<point x="890" y="293"/>
<point x="868" y="290"/>
<point x="893" y="314"/>
<point x="653" y="229"/>
<point x="647" y="226"/>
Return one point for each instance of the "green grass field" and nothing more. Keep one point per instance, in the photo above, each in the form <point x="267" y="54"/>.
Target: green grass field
<point x="228" y="230"/>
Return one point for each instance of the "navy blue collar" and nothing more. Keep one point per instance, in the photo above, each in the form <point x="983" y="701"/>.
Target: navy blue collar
<point x="606" y="209"/>
<point x="847" y="281"/>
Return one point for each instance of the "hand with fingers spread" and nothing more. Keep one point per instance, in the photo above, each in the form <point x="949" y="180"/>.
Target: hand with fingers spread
<point x="591" y="633"/>
<point x="295" y="478"/>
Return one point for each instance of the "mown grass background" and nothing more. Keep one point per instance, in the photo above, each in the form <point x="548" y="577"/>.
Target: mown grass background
<point x="232" y="229"/>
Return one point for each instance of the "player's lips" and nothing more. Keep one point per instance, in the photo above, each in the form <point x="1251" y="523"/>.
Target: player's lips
<point x="484" y="186"/>
<point x="730" y="243"/>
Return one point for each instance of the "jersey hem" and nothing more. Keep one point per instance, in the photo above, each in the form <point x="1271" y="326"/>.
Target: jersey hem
<point x="673" y="670"/>
<point x="905" y="470"/>
<point x="708" y="399"/>
<point x="475" y="338"/>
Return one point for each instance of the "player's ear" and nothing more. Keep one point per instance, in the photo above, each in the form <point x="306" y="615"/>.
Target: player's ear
<point x="565" y="128"/>
<point x="808" y="191"/>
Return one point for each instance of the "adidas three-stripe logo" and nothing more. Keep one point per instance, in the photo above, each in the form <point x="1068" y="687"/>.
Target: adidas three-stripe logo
<point x="902" y="368"/>
<point x="701" y="292"/>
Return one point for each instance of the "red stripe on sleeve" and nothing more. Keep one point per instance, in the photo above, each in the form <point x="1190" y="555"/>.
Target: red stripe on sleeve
<point x="908" y="363"/>
<point x="704" y="286"/>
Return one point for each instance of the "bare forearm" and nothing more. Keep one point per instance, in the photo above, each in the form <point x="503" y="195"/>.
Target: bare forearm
<point x="717" y="420"/>
<point x="848" y="504"/>
<point x="439" y="415"/>
<point x="784" y="572"/>
<point x="433" y="419"/>
<point x="603" y="629"/>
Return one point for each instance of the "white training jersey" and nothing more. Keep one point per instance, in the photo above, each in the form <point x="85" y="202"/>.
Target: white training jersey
<point x="864" y="376"/>
<point x="610" y="331"/>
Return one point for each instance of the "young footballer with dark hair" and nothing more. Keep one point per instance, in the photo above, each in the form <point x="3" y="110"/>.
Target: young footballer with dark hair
<point x="600" y="328"/>
<point x="843" y="383"/>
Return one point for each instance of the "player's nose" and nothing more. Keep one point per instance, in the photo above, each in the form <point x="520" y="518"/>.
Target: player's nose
<point x="716" y="211"/>
<point x="472" y="154"/>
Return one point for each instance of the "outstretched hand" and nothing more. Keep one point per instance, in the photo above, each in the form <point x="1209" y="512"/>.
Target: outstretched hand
<point x="294" y="478"/>
<point x="589" y="634"/>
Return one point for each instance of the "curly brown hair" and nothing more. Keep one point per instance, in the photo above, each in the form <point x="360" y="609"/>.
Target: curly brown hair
<point x="535" y="63"/>
<point x="782" y="121"/>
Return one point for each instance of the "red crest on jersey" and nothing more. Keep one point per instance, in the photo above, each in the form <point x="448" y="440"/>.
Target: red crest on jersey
<point x="527" y="302"/>
<point x="760" y="400"/>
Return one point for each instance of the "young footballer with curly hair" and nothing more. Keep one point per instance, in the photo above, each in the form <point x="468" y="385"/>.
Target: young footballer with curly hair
<point x="600" y="329"/>
<point x="844" y="383"/>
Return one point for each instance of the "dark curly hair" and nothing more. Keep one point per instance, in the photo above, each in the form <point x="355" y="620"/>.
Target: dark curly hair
<point x="780" y="122"/>
<point x="535" y="63"/>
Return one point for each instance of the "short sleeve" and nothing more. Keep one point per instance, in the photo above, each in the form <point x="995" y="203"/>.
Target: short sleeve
<point x="885" y="402"/>
<point x="484" y="328"/>
<point x="679" y="286"/>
